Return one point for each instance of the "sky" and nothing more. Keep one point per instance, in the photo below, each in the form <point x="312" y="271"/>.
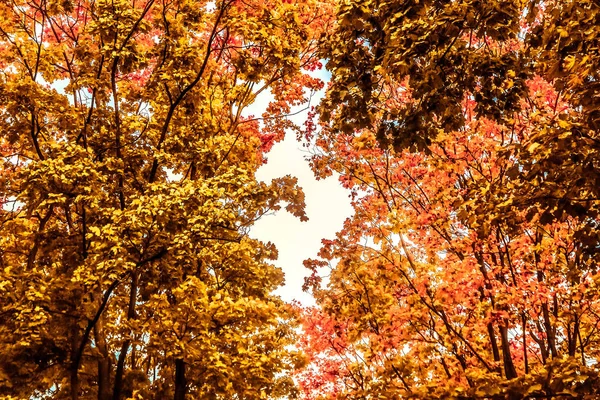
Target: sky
<point x="327" y="206"/>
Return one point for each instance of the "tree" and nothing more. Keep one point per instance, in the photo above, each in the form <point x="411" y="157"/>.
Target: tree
<point x="469" y="269"/>
<point x="431" y="294"/>
<point x="128" y="187"/>
<point x="442" y="53"/>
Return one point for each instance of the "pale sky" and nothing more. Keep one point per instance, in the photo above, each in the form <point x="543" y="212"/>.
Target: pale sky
<point x="327" y="206"/>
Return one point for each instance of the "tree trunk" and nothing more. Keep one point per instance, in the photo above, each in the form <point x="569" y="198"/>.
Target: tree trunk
<point x="131" y="314"/>
<point x="103" y="362"/>
<point x="549" y="330"/>
<point x="492" y="335"/>
<point x="509" y="367"/>
<point x="74" y="379"/>
<point x="74" y="384"/>
<point x="180" y="381"/>
<point x="120" y="368"/>
<point x="525" y="357"/>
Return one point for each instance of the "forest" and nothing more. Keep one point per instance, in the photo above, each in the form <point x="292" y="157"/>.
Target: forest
<point x="466" y="132"/>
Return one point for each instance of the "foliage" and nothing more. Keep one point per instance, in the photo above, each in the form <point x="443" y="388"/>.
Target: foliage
<point x="467" y="133"/>
<point x="431" y="294"/>
<point x="128" y="187"/>
<point x="404" y="70"/>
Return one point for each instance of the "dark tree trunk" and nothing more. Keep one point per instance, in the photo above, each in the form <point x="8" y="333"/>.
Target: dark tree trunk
<point x="180" y="381"/>
<point x="509" y="367"/>
<point x="120" y="369"/>
<point x="103" y="362"/>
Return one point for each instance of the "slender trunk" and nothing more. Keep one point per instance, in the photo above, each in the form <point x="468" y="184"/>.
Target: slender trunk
<point x="104" y="379"/>
<point x="549" y="330"/>
<point x="131" y="314"/>
<point x="74" y="384"/>
<point x="120" y="369"/>
<point x="134" y="354"/>
<point x="545" y="311"/>
<point x="446" y="369"/>
<point x="525" y="358"/>
<point x="492" y="336"/>
<point x="581" y="346"/>
<point x="74" y="379"/>
<point x="490" y="326"/>
<point x="103" y="362"/>
<point x="509" y="367"/>
<point x="573" y="341"/>
<point x="541" y="343"/>
<point x="180" y="381"/>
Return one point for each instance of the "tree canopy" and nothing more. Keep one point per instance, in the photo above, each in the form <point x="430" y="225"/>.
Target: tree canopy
<point x="467" y="134"/>
<point x="128" y="189"/>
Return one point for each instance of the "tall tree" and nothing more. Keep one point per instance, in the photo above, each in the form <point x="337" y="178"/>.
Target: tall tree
<point x="467" y="134"/>
<point x="443" y="52"/>
<point x="128" y="187"/>
<point x="437" y="288"/>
